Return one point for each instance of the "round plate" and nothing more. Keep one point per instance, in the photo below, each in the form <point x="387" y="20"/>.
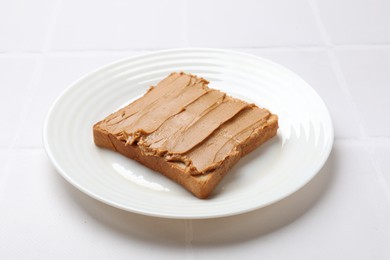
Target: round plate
<point x="270" y="173"/>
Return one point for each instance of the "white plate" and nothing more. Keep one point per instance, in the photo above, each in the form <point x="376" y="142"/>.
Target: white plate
<point x="270" y="173"/>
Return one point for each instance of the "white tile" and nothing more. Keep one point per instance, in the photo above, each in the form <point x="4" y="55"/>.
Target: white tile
<point x="4" y="159"/>
<point x="235" y="23"/>
<point x="341" y="214"/>
<point x="122" y="24"/>
<point x="367" y="75"/>
<point x="356" y="22"/>
<point x="24" y="24"/>
<point x="15" y="79"/>
<point x="42" y="217"/>
<point x="58" y="72"/>
<point x="314" y="67"/>
<point x="382" y="154"/>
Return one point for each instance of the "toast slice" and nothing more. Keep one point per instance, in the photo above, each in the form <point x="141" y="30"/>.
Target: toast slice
<point x="187" y="131"/>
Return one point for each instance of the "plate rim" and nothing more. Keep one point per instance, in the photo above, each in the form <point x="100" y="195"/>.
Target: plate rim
<point x="69" y="87"/>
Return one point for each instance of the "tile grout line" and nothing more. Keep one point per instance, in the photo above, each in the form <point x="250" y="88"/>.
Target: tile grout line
<point x="53" y="22"/>
<point x="336" y="66"/>
<point x="185" y="42"/>
<point x="345" y="90"/>
<point x="30" y="87"/>
<point x="382" y="139"/>
<point x="379" y="176"/>
<point x="21" y="120"/>
<point x="37" y="72"/>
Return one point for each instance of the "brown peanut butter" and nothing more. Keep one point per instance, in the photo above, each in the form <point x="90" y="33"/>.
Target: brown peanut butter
<point x="182" y="120"/>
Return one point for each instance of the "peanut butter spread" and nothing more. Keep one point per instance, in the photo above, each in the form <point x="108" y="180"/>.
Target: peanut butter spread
<point x="183" y="120"/>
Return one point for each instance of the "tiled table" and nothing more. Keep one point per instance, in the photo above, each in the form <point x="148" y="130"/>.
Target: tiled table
<point x="342" y="48"/>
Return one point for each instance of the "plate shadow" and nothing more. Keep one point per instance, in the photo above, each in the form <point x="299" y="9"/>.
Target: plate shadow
<point x="216" y="232"/>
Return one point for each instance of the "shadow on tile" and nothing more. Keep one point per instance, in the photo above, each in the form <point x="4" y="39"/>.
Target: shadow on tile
<point x="117" y="222"/>
<point x="206" y="232"/>
<point x="273" y="218"/>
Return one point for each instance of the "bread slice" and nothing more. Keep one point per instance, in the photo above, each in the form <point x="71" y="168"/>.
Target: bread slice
<point x="187" y="131"/>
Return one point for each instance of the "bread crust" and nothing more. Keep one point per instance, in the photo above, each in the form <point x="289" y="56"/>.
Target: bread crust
<point x="199" y="185"/>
